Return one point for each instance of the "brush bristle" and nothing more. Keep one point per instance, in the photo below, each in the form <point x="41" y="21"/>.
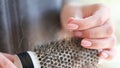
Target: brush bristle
<point x="66" y="54"/>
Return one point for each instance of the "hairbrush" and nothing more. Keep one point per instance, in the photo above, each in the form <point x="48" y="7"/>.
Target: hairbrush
<point x="66" y="53"/>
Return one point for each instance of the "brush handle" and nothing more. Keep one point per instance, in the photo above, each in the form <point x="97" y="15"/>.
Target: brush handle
<point x="26" y="60"/>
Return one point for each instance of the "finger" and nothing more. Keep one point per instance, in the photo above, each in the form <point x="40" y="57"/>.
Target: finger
<point x="98" y="18"/>
<point x="103" y="31"/>
<point x="105" y="43"/>
<point x="5" y="63"/>
<point x="10" y="57"/>
<point x="107" y="54"/>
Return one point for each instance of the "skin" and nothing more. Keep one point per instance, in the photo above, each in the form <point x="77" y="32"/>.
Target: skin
<point x="6" y="61"/>
<point x="92" y="23"/>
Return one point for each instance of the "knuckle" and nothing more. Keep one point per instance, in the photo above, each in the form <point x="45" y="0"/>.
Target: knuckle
<point x="100" y="21"/>
<point x="112" y="42"/>
<point x="105" y="6"/>
<point x="104" y="18"/>
<point x="110" y="30"/>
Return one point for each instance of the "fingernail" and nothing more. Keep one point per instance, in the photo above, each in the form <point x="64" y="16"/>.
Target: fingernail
<point x="72" y="26"/>
<point x="105" y="55"/>
<point x="86" y="43"/>
<point x="78" y="34"/>
<point x="70" y="19"/>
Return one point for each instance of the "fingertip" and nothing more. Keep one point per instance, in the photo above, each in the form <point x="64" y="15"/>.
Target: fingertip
<point x="86" y="43"/>
<point x="70" y="19"/>
<point x="106" y="55"/>
<point x="74" y="20"/>
<point x="72" y="26"/>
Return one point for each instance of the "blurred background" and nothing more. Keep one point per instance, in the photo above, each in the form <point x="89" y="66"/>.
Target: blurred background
<point x="115" y="15"/>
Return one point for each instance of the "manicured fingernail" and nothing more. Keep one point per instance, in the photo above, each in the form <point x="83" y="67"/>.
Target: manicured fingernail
<point x="70" y="19"/>
<point x="78" y="34"/>
<point x="72" y="26"/>
<point x="104" y="55"/>
<point x="86" y="43"/>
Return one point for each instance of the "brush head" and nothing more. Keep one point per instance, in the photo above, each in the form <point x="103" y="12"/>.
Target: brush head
<point x="66" y="54"/>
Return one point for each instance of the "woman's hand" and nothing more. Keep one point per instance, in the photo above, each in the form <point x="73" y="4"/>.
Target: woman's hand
<point x="93" y="24"/>
<point x="6" y="61"/>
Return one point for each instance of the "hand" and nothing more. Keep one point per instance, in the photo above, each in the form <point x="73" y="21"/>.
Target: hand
<point x="93" y="24"/>
<point x="6" y="61"/>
